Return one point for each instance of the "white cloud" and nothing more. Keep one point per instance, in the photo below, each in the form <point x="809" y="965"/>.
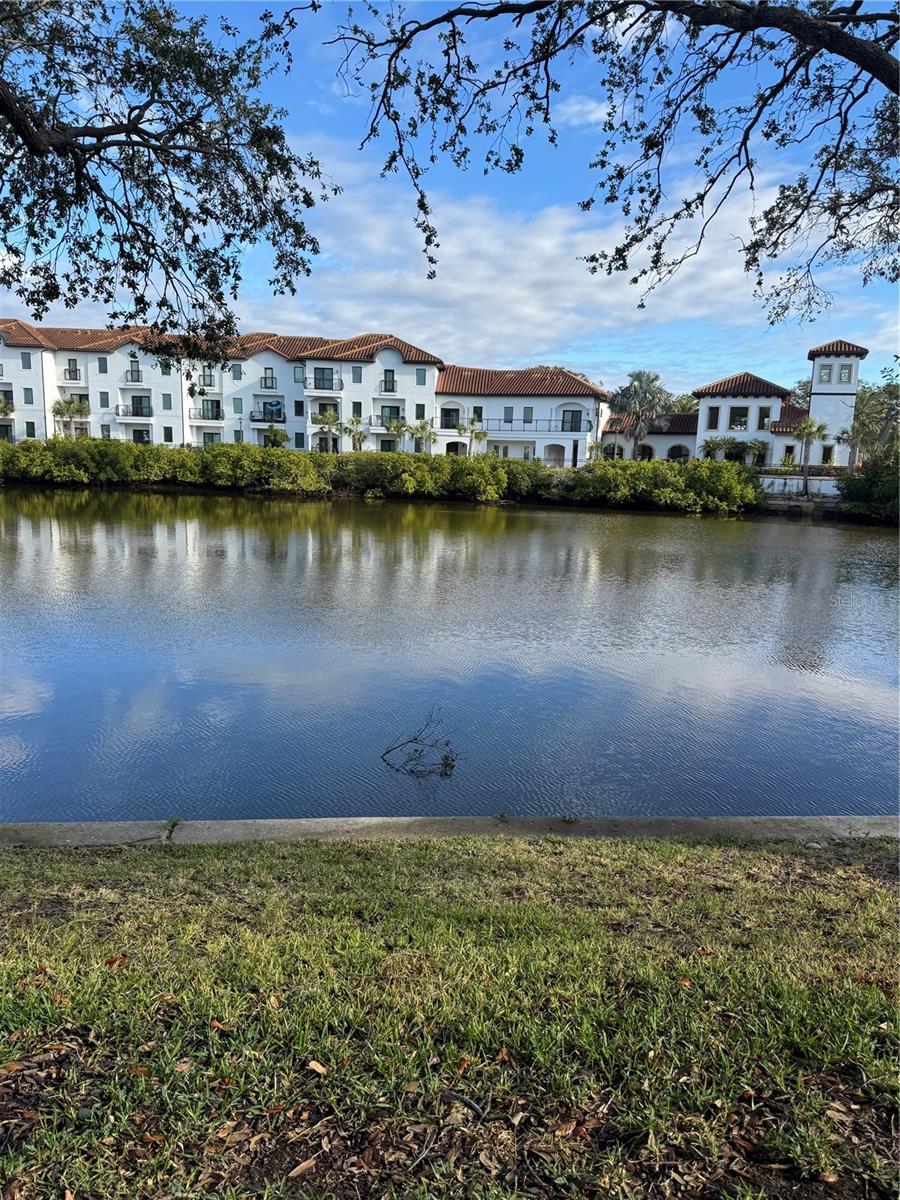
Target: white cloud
<point x="580" y="112"/>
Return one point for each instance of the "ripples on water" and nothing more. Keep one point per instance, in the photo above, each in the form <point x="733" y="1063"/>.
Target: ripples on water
<point x="216" y="657"/>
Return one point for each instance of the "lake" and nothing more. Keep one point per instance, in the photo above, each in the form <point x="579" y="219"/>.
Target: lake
<point x="204" y="656"/>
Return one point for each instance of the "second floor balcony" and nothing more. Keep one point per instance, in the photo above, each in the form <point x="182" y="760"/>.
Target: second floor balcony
<point x="136" y="411"/>
<point x="269" y="416"/>
<point x="268" y="383"/>
<point x="72" y="373"/>
<point x="134" y="375"/>
<point x="207" y="412"/>
<point x="323" y="381"/>
<point x="575" y="424"/>
<point x="388" y="385"/>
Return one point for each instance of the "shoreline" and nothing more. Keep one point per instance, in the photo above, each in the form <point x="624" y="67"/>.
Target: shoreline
<point x="224" y="832"/>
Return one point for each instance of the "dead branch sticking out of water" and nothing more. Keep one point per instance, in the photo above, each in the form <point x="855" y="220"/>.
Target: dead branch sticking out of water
<point x="423" y="754"/>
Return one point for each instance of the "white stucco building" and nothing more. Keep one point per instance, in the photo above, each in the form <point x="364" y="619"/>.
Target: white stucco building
<point x="748" y="408"/>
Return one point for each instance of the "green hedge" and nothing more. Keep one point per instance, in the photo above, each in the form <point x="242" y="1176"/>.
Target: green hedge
<point x="700" y="485"/>
<point x="873" y="490"/>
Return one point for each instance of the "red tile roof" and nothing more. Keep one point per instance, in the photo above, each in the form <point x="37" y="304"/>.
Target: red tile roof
<point x="673" y="423"/>
<point x="837" y="348"/>
<point x="533" y="381"/>
<point x="788" y="418"/>
<point x="742" y="384"/>
<point x="361" y="348"/>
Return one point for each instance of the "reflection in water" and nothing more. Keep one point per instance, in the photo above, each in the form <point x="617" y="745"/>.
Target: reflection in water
<point x="200" y="656"/>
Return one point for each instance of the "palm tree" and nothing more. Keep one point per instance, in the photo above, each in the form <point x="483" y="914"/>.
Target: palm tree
<point x="398" y="427"/>
<point x="355" y="431"/>
<point x="472" y="431"/>
<point x="806" y="431"/>
<point x="711" y="447"/>
<point x="70" y="410"/>
<point x="424" y="434"/>
<point x="6" y="405"/>
<point x="642" y="398"/>
<point x="684" y="404"/>
<point x="757" y="448"/>
<point x="330" y="424"/>
<point x="275" y="436"/>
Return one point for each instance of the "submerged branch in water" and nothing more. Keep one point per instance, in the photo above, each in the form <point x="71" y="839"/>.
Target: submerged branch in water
<point x="424" y="753"/>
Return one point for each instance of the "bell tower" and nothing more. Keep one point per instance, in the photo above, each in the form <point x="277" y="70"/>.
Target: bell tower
<point x="832" y="394"/>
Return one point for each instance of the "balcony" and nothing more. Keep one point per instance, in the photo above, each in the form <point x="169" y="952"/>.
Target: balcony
<point x="497" y="425"/>
<point x="268" y="383"/>
<point x="209" y="412"/>
<point x="134" y="375"/>
<point x="269" y="418"/>
<point x="71" y="373"/>
<point x="134" y="412"/>
<point x="382" y="420"/>
<point x="323" y="383"/>
<point x="387" y="386"/>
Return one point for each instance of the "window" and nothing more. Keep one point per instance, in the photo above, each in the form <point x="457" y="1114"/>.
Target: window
<point x="762" y="421"/>
<point x="420" y="376"/>
<point x="507" y="415"/>
<point x="526" y="453"/>
<point x="29" y="428"/>
<point x="323" y="377"/>
<point x="102" y="366"/>
<point x="737" y="418"/>
<point x="104" y="432"/>
<point x="165" y="368"/>
<point x="357" y="408"/>
<point x="211" y="439"/>
<point x="28" y="395"/>
<point x="299" y="441"/>
<point x="237" y="371"/>
<point x="325" y="406"/>
<point x="827" y="455"/>
<point x="237" y="404"/>
<point x="477" y="412"/>
<point x="845" y="373"/>
<point x="505" y="452"/>
<point x="420" y="412"/>
<point x="571" y="420"/>
<point x="238" y="436"/>
<point x="141" y="436"/>
<point x="712" y="417"/>
<point x="167" y="401"/>
<point x="268" y="379"/>
<point x="72" y="371"/>
<point x="299" y="408"/>
<point x="450" y="418"/>
<point x="527" y="415"/>
<point x="298" y="374"/>
<point x="388" y="384"/>
<point x="387" y="445"/>
<point x="824" y="374"/>
<point x="167" y="433"/>
<point x="207" y="379"/>
<point x="25" y="357"/>
<point x="356" y="374"/>
<point x="104" y="399"/>
<point x="390" y="412"/>
<point x="140" y="406"/>
<point x="789" y="453"/>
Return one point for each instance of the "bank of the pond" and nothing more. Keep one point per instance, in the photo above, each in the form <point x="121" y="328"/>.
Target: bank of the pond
<point x="698" y="486"/>
<point x="438" y="1019"/>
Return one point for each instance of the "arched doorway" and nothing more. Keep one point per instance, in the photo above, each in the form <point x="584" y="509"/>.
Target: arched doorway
<point x="554" y="456"/>
<point x="645" y="452"/>
<point x="678" y="454"/>
<point x="611" y="450"/>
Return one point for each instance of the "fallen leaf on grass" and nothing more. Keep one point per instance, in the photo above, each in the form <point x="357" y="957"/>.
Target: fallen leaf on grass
<point x="11" y="1068"/>
<point x="703" y="951"/>
<point x="685" y="983"/>
<point x="275" y="1108"/>
<point x="319" y="1070"/>
<point x="218" y="1025"/>
<point x="184" y="1066"/>
<point x="565" y="1130"/>
<point x="138" y="1070"/>
<point x="115" y="960"/>
<point x="307" y="1165"/>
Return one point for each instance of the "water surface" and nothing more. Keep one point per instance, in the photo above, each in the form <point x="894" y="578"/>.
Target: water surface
<point x="222" y="657"/>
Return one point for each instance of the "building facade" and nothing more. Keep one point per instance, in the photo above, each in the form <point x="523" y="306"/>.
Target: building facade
<point x="746" y="410"/>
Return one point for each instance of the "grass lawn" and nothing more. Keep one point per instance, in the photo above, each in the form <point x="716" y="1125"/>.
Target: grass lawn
<point x="467" y="1018"/>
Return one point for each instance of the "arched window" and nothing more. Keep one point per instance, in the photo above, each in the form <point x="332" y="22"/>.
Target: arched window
<point x="678" y="454"/>
<point x="613" y="450"/>
<point x="645" y="452"/>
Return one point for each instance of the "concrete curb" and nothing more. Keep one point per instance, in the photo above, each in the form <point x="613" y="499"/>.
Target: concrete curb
<point x="209" y="833"/>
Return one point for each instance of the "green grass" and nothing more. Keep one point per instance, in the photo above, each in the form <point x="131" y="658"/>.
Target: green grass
<point x="494" y="1018"/>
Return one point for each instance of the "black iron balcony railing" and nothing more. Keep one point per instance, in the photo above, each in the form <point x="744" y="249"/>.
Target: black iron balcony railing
<point x="388" y="385"/>
<point x="268" y="383"/>
<point x="269" y="418"/>
<point x="209" y="412"/>
<point x="497" y="425"/>
<point x="323" y="383"/>
<point x="382" y="420"/>
<point x="207" y="380"/>
<point x="134" y="375"/>
<point x="134" y="410"/>
<point x="71" y="373"/>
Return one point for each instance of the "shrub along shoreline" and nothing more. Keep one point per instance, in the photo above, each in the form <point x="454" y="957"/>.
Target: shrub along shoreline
<point x="698" y="486"/>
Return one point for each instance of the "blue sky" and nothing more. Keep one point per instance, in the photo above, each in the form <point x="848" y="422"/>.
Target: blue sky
<point x="510" y="290"/>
